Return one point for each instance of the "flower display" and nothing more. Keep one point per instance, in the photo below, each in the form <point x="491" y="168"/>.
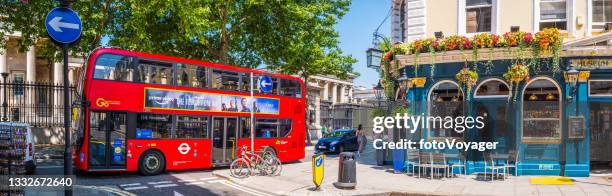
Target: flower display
<point x="483" y="40"/>
<point x="517" y="73"/>
<point x="546" y="38"/>
<point x="467" y="77"/>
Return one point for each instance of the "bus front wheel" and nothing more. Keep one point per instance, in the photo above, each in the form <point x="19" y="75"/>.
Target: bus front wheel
<point x="152" y="162"/>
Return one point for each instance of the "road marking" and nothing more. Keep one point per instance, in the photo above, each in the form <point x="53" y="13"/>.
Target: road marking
<point x="135" y="188"/>
<point x="186" y="180"/>
<point x="133" y="184"/>
<point x="160" y="182"/>
<point x="177" y="194"/>
<point x="215" y="181"/>
<point x="244" y="189"/>
<point x="165" y="185"/>
<point x="209" y="178"/>
<point x="194" y="183"/>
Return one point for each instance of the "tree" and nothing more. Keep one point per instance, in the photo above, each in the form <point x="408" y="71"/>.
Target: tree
<point x="28" y="18"/>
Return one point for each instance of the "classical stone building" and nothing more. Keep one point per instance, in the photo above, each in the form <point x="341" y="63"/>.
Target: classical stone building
<point x="330" y="103"/>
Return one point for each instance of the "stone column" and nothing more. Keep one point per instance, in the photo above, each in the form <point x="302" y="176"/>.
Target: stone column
<point x="30" y="74"/>
<point x="31" y="64"/>
<point x="334" y="93"/>
<point x="3" y="68"/>
<point x="325" y="91"/>
<point x="342" y="94"/>
<point x="57" y="79"/>
<point x="350" y="95"/>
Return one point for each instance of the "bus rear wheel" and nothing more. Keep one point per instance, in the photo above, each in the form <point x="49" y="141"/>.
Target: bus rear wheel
<point x="152" y="162"/>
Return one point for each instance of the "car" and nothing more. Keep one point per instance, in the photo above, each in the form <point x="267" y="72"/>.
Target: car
<point x="337" y="141"/>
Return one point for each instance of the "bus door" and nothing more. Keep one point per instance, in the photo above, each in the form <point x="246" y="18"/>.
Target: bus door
<point x="107" y="131"/>
<point x="224" y="139"/>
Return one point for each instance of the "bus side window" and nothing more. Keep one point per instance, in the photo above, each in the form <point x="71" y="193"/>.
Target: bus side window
<point x="290" y="88"/>
<point x="113" y="67"/>
<point x="192" y="127"/>
<point x="225" y="80"/>
<point x="154" y="72"/>
<point x="153" y="126"/>
<point x="266" y="128"/>
<point x="285" y="127"/>
<point x="191" y="75"/>
<point x="245" y="127"/>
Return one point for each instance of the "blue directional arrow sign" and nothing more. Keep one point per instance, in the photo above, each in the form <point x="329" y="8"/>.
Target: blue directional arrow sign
<point x="265" y="84"/>
<point x="63" y="25"/>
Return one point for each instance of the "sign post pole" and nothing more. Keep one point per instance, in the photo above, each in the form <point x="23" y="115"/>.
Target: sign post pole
<point x="252" y="117"/>
<point x="64" y="27"/>
<point x="67" y="135"/>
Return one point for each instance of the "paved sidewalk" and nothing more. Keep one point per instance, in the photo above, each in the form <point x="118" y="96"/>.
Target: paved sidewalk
<point x="296" y="179"/>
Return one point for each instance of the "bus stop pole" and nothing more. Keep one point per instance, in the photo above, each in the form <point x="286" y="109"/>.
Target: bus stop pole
<point x="252" y="117"/>
<point x="67" y="149"/>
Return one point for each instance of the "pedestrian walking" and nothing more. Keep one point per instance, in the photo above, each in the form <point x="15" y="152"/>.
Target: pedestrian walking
<point x="361" y="140"/>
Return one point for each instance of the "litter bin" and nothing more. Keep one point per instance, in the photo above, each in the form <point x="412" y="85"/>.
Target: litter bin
<point x="399" y="155"/>
<point x="347" y="171"/>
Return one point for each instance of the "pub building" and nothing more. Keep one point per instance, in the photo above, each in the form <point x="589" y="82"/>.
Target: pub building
<point x="557" y="122"/>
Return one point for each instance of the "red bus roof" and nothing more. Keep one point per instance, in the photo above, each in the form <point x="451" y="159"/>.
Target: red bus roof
<point x="119" y="51"/>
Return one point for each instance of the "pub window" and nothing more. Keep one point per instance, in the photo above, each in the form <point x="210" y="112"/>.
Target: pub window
<point x="600" y="87"/>
<point x="445" y="99"/>
<point x="191" y="75"/>
<point x="192" y="127"/>
<point x="113" y="67"/>
<point x="492" y="88"/>
<point x="245" y="127"/>
<point x="153" y="126"/>
<point x="541" y="112"/>
<point x="266" y="128"/>
<point x="602" y="13"/>
<point x="284" y="127"/>
<point x="155" y="72"/>
<point x="290" y="88"/>
<point x="225" y="80"/>
<point x="553" y="14"/>
<point x="478" y="16"/>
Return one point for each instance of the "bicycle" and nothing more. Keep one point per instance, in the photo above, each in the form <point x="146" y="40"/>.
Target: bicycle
<point x="250" y="162"/>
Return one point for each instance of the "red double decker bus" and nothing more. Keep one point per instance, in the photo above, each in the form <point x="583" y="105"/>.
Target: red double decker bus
<point x="150" y="113"/>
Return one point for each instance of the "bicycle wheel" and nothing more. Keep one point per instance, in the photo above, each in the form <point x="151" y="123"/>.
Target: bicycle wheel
<point x="240" y="168"/>
<point x="274" y="166"/>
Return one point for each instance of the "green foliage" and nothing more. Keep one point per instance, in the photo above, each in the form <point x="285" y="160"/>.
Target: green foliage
<point x="401" y="109"/>
<point x="296" y="37"/>
<point x="378" y="112"/>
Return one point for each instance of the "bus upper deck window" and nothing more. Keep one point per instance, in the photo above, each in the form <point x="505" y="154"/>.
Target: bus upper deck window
<point x="154" y="72"/>
<point x="113" y="67"/>
<point x="191" y="75"/>
<point x="273" y="91"/>
<point x="290" y="88"/>
<point x="225" y="80"/>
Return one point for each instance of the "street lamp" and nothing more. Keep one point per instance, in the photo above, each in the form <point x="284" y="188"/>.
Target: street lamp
<point x="378" y="91"/>
<point x="571" y="78"/>
<point x="373" y="57"/>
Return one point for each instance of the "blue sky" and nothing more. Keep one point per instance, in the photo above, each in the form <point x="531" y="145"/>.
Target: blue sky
<point x="356" y="29"/>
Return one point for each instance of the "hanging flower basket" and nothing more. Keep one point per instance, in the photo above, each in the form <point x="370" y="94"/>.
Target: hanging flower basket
<point x="467" y="77"/>
<point x="517" y="73"/>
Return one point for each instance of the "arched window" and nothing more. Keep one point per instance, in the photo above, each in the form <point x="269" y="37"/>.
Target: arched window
<point x="491" y="88"/>
<point x="445" y="99"/>
<point x="541" y="112"/>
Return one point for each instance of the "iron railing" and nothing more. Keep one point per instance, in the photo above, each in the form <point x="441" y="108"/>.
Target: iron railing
<point x="40" y="104"/>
